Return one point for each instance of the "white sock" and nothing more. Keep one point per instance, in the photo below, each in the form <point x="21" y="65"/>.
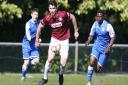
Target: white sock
<point x="47" y="67"/>
<point x="24" y="67"/>
<point x="24" y="70"/>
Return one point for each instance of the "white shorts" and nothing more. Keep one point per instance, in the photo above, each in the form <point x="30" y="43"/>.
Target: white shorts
<point x="64" y="47"/>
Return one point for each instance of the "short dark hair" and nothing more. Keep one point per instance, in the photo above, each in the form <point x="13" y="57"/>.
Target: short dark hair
<point x="100" y="11"/>
<point x="53" y="2"/>
<point x="35" y="10"/>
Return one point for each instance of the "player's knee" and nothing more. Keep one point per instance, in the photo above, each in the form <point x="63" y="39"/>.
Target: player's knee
<point x="91" y="63"/>
<point x="63" y="63"/>
<point x="50" y="60"/>
<point x="36" y="61"/>
<point x="26" y="62"/>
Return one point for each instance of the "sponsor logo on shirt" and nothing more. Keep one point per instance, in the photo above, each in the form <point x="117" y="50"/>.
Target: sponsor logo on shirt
<point x="55" y="25"/>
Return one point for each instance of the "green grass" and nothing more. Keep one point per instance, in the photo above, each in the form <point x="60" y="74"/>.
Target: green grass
<point x="70" y="79"/>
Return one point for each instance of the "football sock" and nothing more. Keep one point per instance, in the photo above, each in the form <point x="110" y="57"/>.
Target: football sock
<point x="61" y="70"/>
<point x="90" y="73"/>
<point x="47" y="67"/>
<point x="24" y="70"/>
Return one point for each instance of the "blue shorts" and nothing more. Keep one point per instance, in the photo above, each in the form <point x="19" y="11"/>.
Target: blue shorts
<point x="100" y="56"/>
<point x="29" y="51"/>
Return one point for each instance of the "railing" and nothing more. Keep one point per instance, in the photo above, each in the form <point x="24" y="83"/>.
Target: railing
<point x="119" y="55"/>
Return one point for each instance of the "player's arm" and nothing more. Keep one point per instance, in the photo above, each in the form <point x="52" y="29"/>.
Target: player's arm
<point x="38" y="33"/>
<point x="111" y="42"/>
<point x="112" y="37"/>
<point x="27" y="30"/>
<point x="111" y="34"/>
<point x="90" y="37"/>
<point x="73" y="19"/>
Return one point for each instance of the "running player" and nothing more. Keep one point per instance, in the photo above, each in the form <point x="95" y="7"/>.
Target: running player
<point x="29" y="50"/>
<point x="58" y="20"/>
<point x="104" y="35"/>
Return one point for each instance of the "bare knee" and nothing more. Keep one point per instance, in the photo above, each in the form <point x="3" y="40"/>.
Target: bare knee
<point x="92" y="61"/>
<point x="36" y="61"/>
<point x="26" y="62"/>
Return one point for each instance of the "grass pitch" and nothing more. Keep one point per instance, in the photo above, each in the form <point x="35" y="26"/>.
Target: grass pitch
<point x="70" y="79"/>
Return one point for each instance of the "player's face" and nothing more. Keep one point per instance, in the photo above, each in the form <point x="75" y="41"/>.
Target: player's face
<point x="52" y="9"/>
<point x="99" y="17"/>
<point x="34" y="16"/>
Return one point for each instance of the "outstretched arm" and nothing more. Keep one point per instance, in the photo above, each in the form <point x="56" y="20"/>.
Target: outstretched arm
<point x="73" y="19"/>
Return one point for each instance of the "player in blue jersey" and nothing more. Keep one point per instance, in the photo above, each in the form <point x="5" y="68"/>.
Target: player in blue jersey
<point x="104" y="35"/>
<point x="29" y="50"/>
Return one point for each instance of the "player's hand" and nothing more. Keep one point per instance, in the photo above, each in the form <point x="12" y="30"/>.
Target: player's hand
<point x="87" y="43"/>
<point x="108" y="50"/>
<point x="38" y="42"/>
<point x="76" y="35"/>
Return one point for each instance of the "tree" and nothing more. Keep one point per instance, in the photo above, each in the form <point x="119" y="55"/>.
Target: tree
<point x="119" y="6"/>
<point x="9" y="11"/>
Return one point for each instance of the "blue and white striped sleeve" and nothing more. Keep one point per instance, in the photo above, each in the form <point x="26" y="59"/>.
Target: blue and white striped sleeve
<point x="110" y="30"/>
<point x="27" y="30"/>
<point x="92" y="29"/>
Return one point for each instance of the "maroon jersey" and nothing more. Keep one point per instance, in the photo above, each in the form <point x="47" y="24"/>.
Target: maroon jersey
<point x="59" y="25"/>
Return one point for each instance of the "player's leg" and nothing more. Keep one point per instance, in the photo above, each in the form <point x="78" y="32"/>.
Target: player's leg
<point x="101" y="61"/>
<point x="47" y="67"/>
<point x="34" y="57"/>
<point x="26" y="55"/>
<point x="48" y="63"/>
<point x="92" y="61"/>
<point x="24" y="68"/>
<point x="64" y="56"/>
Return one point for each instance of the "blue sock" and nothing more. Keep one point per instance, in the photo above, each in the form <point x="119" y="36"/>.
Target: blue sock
<point x="24" y="70"/>
<point x="90" y="73"/>
<point x="30" y="63"/>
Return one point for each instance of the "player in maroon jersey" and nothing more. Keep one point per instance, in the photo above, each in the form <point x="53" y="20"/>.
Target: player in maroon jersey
<point x="58" y="20"/>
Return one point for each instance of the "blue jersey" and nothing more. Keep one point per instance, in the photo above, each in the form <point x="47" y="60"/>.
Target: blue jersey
<point x="102" y="34"/>
<point x="28" y="43"/>
<point x="30" y="28"/>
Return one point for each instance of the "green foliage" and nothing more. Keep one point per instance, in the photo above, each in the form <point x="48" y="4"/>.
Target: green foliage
<point x="9" y="11"/>
<point x="120" y="6"/>
<point x="63" y="2"/>
<point x="85" y="6"/>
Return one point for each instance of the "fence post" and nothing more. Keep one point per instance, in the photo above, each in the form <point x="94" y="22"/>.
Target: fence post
<point x="76" y="56"/>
